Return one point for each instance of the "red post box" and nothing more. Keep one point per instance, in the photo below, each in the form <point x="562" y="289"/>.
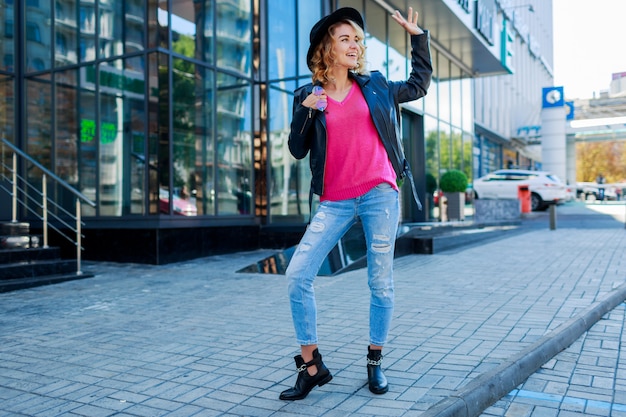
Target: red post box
<point x="523" y="195"/>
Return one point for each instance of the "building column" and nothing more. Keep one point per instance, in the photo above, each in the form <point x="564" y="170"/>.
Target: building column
<point x="553" y="149"/>
<point x="570" y="161"/>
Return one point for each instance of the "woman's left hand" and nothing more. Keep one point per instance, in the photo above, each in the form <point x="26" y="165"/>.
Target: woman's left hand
<point x="409" y="24"/>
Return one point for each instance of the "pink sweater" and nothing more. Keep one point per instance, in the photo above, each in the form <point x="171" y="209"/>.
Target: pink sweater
<point x="356" y="160"/>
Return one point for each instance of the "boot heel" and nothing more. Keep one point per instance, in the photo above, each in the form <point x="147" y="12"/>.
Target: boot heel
<point x="325" y="380"/>
<point x="305" y="382"/>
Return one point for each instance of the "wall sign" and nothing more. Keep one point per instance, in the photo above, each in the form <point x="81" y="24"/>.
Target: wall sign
<point x="553" y="97"/>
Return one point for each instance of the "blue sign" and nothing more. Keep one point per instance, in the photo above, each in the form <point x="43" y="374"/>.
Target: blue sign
<point x="552" y="97"/>
<point x="507" y="39"/>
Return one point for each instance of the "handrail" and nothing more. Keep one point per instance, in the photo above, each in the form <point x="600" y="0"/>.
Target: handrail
<point x="45" y="199"/>
<point x="48" y="172"/>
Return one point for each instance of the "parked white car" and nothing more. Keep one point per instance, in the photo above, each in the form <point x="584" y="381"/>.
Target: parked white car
<point x="545" y="188"/>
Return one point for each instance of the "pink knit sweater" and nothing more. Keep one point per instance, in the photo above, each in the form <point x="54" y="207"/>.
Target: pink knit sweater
<point x="356" y="160"/>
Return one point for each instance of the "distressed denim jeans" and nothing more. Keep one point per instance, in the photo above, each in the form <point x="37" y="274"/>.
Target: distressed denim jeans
<point x="378" y="211"/>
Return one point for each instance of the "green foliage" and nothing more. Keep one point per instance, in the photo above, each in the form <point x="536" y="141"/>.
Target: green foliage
<point x="453" y="181"/>
<point x="431" y="183"/>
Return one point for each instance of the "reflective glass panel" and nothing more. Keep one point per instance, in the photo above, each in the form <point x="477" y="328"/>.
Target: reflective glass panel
<point x="184" y="30"/>
<point x="187" y="140"/>
<point x="7" y="108"/>
<point x="88" y="146"/>
<point x="65" y="33"/>
<point x="290" y="178"/>
<point x="155" y="137"/>
<point x="7" y="37"/>
<point x="38" y="43"/>
<point x="432" y="145"/>
<point x="122" y="139"/>
<point x="87" y="28"/>
<point x="309" y="12"/>
<point x="66" y="135"/>
<point x="282" y="40"/>
<point x="234" y="43"/>
<point x="233" y="146"/>
<point x="38" y="122"/>
<point x="432" y="98"/>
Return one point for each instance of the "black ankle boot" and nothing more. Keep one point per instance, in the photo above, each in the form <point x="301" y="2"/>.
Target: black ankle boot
<point x="376" y="378"/>
<point x="305" y="382"/>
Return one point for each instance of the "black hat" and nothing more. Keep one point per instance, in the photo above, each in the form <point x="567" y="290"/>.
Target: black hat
<point x="321" y="28"/>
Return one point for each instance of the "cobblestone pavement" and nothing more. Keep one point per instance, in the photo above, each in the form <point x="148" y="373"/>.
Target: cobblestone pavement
<point x="199" y="339"/>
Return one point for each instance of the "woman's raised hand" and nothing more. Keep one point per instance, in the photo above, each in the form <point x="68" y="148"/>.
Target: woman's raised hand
<point x="410" y="23"/>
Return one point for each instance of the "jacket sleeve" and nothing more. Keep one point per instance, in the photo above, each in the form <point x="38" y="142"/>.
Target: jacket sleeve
<point x="421" y="71"/>
<point x="302" y="121"/>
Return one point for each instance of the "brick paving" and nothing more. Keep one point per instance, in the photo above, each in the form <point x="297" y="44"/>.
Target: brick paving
<point x="199" y="339"/>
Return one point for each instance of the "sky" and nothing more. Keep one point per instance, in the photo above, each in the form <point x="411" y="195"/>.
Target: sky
<point x="589" y="45"/>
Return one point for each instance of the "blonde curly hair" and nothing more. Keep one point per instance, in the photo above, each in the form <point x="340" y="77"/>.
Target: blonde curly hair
<point x="323" y="58"/>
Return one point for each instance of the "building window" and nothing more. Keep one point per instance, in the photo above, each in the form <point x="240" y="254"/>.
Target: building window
<point x="32" y="32"/>
<point x="8" y="29"/>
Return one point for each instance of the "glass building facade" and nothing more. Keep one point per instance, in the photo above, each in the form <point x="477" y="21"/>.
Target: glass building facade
<point x="173" y="115"/>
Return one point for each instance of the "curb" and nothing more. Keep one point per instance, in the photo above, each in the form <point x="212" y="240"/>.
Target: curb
<point x="487" y="389"/>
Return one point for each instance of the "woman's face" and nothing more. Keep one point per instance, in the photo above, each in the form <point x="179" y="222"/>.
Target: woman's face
<point x="346" y="46"/>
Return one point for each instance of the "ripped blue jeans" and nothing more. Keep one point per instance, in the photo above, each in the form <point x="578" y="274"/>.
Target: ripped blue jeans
<point x="378" y="211"/>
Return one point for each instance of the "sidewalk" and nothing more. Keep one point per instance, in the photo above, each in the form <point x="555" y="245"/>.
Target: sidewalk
<point x="198" y="339"/>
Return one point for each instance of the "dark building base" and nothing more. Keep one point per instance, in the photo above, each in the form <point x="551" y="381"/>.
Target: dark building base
<point x="159" y="246"/>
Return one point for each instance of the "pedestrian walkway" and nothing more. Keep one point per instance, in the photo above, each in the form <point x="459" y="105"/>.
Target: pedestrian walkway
<point x="199" y="339"/>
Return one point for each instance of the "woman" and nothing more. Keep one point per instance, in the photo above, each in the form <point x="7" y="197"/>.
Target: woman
<point x="348" y="119"/>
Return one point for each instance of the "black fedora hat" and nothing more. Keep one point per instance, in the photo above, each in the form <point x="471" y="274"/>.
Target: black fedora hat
<point x="321" y="28"/>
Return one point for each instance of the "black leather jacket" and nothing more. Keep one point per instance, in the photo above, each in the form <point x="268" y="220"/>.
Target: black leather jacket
<point x="308" y="126"/>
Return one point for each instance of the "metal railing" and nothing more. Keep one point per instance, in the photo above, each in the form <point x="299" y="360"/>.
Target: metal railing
<point x="33" y="199"/>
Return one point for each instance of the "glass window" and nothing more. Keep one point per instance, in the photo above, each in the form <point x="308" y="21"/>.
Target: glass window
<point x="66" y="137"/>
<point x="61" y="44"/>
<point x="8" y="62"/>
<point x="467" y="104"/>
<point x="468" y="159"/>
<point x="187" y="141"/>
<point x="38" y="121"/>
<point x="444" y="91"/>
<point x="445" y="147"/>
<point x="233" y="146"/>
<point x="184" y="40"/>
<point x="282" y="40"/>
<point x="7" y="108"/>
<point x="457" y="148"/>
<point x="309" y="12"/>
<point x="234" y="45"/>
<point x="122" y="161"/>
<point x="376" y="40"/>
<point x="8" y="29"/>
<point x="432" y="98"/>
<point x="432" y="145"/>
<point x="66" y="34"/>
<point x="456" y="95"/>
<point x="88" y="143"/>
<point x="158" y="121"/>
<point x="399" y="58"/>
<point x="37" y="47"/>
<point x="111" y="30"/>
<point x="33" y="33"/>
<point x="290" y="178"/>
<point x="87" y="28"/>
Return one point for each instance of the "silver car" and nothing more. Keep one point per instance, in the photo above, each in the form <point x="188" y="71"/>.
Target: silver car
<point x="545" y="188"/>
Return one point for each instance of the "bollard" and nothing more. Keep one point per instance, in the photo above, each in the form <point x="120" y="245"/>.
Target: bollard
<point x="553" y="216"/>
